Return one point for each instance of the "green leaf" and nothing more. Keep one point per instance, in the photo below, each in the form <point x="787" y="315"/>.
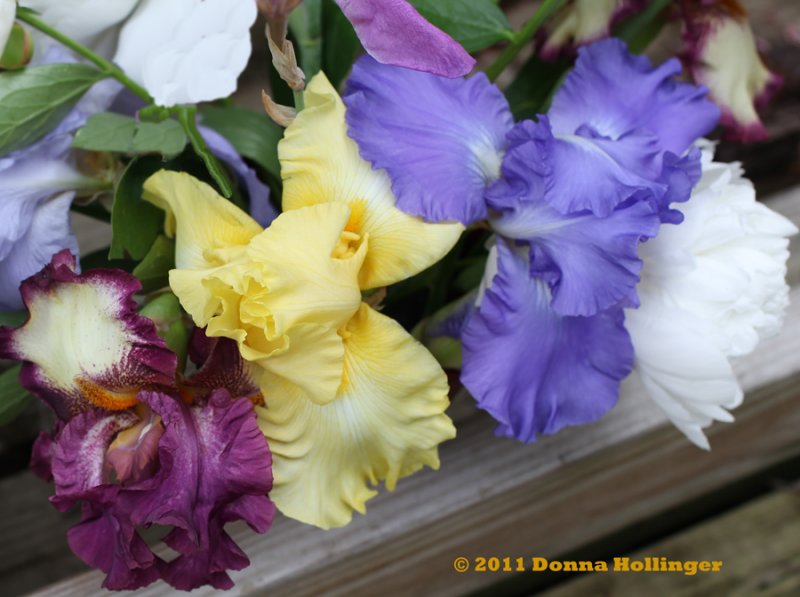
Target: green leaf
<point x="475" y="24"/>
<point x="13" y="397"/>
<point x="531" y="92"/>
<point x="115" y="132"/>
<point x="135" y="223"/>
<point x="106" y="132"/>
<point x="166" y="313"/>
<point x="166" y="137"/>
<point x="641" y="28"/>
<point x="305" y="23"/>
<point x="153" y="271"/>
<point x="34" y="100"/>
<point x="251" y="133"/>
<point x="13" y="318"/>
<point x="187" y="116"/>
<point x="340" y="45"/>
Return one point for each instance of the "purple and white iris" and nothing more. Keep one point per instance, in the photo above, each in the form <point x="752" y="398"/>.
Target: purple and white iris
<point x="133" y="444"/>
<point x="569" y="196"/>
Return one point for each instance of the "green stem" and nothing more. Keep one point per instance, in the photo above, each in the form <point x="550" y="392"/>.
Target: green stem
<point x="523" y="36"/>
<point x="186" y="116"/>
<point x="299" y="100"/>
<point x="106" y="66"/>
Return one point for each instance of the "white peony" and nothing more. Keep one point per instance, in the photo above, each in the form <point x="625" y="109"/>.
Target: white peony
<point x="712" y="288"/>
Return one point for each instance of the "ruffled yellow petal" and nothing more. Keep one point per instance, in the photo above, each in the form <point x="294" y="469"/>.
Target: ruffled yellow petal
<point x="386" y="423"/>
<point x="320" y="163"/>
<point x="284" y="298"/>
<point x="209" y="230"/>
<point x="310" y="266"/>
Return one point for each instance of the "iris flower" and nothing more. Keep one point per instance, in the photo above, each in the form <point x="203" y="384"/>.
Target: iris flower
<point x="37" y="186"/>
<point x="720" y="52"/>
<point x="570" y="197"/>
<point x="130" y="445"/>
<point x="351" y="398"/>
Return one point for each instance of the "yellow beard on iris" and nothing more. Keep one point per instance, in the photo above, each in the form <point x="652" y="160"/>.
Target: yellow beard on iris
<point x="351" y="398"/>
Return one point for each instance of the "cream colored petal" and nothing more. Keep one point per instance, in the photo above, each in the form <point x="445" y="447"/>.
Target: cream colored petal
<point x="386" y="423"/>
<point x="320" y="163"/>
<point x="207" y="227"/>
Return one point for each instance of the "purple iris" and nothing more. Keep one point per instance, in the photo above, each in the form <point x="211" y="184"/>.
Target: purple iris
<point x="570" y="197"/>
<point x="37" y="185"/>
<point x="133" y="445"/>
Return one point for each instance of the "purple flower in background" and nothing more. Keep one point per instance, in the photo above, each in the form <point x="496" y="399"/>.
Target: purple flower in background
<point x="133" y="446"/>
<point x="37" y="185"/>
<point x="570" y="197"/>
<point x="393" y="32"/>
<point x="260" y="207"/>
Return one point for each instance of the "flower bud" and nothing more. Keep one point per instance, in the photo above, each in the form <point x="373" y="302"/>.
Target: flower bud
<point x="18" y="50"/>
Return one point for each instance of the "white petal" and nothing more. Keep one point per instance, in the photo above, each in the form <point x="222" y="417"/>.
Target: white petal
<point x="82" y="20"/>
<point x="712" y="289"/>
<point x="187" y="51"/>
<point x="684" y="373"/>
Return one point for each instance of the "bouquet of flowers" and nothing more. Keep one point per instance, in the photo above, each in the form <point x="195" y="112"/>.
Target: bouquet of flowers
<point x="271" y="323"/>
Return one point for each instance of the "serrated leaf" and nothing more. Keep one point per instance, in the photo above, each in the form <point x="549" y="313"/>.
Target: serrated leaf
<point x="475" y="24"/>
<point x="13" y="397"/>
<point x="135" y="224"/>
<point x="253" y="134"/>
<point x="154" y="269"/>
<point x="114" y="132"/>
<point x="34" y="100"/>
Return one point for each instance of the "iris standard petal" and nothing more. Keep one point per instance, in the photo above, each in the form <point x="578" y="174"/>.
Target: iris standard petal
<point x="393" y="32"/>
<point x="320" y="163"/>
<point x="591" y="263"/>
<point x="385" y="423"/>
<point x="201" y="220"/>
<point x="611" y="171"/>
<point x="84" y="345"/>
<point x="616" y="93"/>
<point x="440" y="140"/>
<point x="536" y="371"/>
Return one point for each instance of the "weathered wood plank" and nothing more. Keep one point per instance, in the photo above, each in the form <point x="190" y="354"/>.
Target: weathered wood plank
<point x="759" y="545"/>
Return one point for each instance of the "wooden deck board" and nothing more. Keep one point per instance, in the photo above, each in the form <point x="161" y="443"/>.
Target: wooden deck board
<point x="759" y="545"/>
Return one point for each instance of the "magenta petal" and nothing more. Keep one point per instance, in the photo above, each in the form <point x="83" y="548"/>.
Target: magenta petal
<point x="105" y="351"/>
<point x="212" y="454"/>
<point x="109" y="542"/>
<point x="220" y="366"/>
<point x="393" y="32"/>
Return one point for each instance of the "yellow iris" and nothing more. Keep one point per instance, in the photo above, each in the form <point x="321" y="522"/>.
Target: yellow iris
<point x="351" y="398"/>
